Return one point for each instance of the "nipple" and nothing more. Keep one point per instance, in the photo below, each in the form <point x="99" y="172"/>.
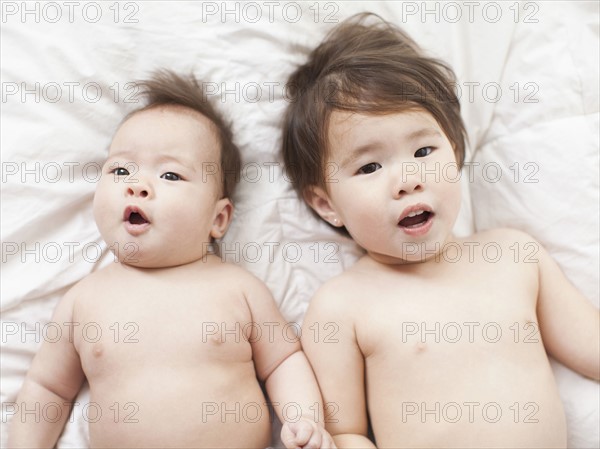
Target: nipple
<point x="420" y="347"/>
<point x="98" y="350"/>
<point x="215" y="340"/>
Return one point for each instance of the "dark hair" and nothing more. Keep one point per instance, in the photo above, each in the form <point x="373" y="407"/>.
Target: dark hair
<point x="166" y="88"/>
<point x="372" y="69"/>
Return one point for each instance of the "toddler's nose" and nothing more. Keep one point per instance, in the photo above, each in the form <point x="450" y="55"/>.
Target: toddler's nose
<point x="410" y="187"/>
<point x="408" y="181"/>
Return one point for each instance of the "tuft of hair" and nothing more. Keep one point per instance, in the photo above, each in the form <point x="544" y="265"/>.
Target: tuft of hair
<point x="166" y="88"/>
<point x="368" y="68"/>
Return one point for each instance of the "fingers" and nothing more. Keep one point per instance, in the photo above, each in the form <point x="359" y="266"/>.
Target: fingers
<point x="288" y="436"/>
<point x="320" y="440"/>
<point x="298" y="434"/>
<point x="304" y="431"/>
<point x="306" y="435"/>
<point x="315" y="441"/>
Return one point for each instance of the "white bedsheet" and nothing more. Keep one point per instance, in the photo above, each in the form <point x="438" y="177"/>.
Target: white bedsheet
<point x="529" y="87"/>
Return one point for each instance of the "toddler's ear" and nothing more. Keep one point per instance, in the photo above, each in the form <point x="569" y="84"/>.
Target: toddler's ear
<point x="318" y="199"/>
<point x="223" y="216"/>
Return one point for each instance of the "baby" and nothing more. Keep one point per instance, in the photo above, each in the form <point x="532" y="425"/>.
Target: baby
<point x="439" y="341"/>
<point x="172" y="341"/>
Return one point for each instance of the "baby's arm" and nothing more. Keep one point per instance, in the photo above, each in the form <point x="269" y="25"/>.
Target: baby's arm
<point x="55" y="377"/>
<point x="290" y="382"/>
<point x="330" y="342"/>
<point x="569" y="323"/>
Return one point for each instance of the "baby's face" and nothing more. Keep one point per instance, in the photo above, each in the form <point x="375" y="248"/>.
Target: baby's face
<point x="396" y="188"/>
<point x="157" y="203"/>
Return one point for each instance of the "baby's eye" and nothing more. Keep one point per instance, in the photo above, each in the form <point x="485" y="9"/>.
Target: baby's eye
<point x="422" y="152"/>
<point x="120" y="171"/>
<point x="170" y="176"/>
<point x="369" y="168"/>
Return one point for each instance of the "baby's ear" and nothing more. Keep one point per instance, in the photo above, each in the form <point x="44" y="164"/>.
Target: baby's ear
<point x="223" y="216"/>
<point x="317" y="198"/>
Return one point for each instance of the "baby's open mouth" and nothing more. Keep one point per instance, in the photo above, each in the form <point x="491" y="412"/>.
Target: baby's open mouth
<point x="415" y="219"/>
<point x="135" y="216"/>
<point x="136" y="219"/>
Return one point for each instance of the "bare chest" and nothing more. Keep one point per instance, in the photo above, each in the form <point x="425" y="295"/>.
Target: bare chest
<point x="482" y="308"/>
<point x="181" y="327"/>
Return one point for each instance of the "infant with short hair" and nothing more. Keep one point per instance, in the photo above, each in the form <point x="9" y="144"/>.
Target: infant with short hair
<point x="172" y="379"/>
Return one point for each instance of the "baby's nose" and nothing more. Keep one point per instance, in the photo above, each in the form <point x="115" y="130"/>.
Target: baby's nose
<point x="137" y="190"/>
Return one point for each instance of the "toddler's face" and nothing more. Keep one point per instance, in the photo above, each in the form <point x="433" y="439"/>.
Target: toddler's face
<point x="157" y="203"/>
<point x="396" y="184"/>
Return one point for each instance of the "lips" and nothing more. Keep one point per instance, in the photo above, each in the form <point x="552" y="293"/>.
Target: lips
<point x="135" y="220"/>
<point x="416" y="220"/>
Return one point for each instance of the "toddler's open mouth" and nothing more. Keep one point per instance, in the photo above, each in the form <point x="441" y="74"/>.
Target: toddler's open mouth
<point x="416" y="220"/>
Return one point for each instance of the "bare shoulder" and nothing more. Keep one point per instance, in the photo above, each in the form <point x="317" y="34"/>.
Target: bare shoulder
<point x="502" y="236"/>
<point x="226" y="271"/>
<point x="86" y="288"/>
<point x="511" y="245"/>
<point x="89" y="284"/>
<point x="241" y="277"/>
<point x="233" y="277"/>
<point x="338" y="297"/>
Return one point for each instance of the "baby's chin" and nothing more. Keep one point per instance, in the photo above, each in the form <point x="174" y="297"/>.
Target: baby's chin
<point x="137" y="257"/>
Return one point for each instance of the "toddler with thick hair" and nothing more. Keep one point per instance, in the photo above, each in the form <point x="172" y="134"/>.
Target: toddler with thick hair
<point x="441" y="341"/>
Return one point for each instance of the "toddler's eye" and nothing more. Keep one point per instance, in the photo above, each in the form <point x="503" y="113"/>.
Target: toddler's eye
<point x="120" y="171"/>
<point x="422" y="152"/>
<point x="170" y="176"/>
<point x="369" y="168"/>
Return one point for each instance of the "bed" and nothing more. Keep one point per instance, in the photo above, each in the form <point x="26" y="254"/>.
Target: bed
<point x="528" y="80"/>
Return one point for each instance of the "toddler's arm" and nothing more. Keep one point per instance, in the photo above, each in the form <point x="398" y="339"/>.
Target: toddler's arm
<point x="55" y="377"/>
<point x="569" y="323"/>
<point x="330" y="343"/>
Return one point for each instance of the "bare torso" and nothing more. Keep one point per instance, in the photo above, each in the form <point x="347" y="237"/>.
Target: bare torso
<point x="171" y="367"/>
<point x="452" y="350"/>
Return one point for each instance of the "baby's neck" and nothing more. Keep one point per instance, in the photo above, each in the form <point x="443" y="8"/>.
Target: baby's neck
<point x="207" y="260"/>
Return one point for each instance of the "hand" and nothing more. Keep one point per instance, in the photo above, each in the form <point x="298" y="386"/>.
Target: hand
<point x="306" y="434"/>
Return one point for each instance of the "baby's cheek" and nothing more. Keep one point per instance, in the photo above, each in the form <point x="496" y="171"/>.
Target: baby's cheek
<point x="99" y="207"/>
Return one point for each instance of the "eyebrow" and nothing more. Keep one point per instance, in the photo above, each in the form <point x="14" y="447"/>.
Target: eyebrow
<point x="165" y="158"/>
<point x="357" y="152"/>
